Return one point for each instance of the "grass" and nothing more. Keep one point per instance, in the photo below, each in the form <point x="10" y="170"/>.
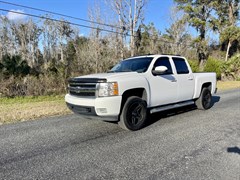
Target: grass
<point x="225" y="85"/>
<point x="29" y="108"/>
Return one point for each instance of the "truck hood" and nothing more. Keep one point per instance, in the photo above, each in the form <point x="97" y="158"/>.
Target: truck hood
<point x="110" y="76"/>
<point x="125" y="80"/>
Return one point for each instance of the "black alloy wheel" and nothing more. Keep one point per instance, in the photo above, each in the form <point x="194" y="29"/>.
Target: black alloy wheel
<point x="204" y="102"/>
<point x="134" y="114"/>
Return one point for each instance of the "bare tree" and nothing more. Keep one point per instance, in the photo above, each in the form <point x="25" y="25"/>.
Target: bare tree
<point x="95" y="34"/>
<point x="102" y="46"/>
<point x="64" y="33"/>
<point x="50" y="39"/>
<point x="177" y="35"/>
<point x="130" y="15"/>
<point x="21" y="30"/>
<point x="4" y="35"/>
<point x="34" y="33"/>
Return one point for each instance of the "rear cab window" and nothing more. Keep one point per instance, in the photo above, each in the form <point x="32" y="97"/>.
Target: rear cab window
<point x="181" y="65"/>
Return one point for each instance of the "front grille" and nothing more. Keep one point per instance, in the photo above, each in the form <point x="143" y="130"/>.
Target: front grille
<point x="82" y="89"/>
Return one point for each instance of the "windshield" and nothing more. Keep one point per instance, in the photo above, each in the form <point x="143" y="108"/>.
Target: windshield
<point x="139" y="65"/>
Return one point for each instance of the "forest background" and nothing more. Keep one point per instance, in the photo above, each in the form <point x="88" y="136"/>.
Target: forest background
<point x="39" y="53"/>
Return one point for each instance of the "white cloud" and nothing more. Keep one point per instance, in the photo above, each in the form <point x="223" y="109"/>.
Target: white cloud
<point x="15" y="16"/>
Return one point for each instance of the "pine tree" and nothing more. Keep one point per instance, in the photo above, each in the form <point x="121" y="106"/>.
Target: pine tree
<point x="198" y="13"/>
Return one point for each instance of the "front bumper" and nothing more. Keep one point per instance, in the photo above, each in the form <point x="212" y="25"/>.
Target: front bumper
<point x="104" y="108"/>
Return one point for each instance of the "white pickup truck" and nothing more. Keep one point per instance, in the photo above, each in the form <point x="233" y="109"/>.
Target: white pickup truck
<point x="138" y="86"/>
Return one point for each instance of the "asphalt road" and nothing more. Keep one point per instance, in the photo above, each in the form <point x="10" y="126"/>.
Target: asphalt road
<point x="180" y="144"/>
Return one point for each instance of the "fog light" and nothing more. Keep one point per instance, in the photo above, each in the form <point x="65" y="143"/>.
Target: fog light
<point x="102" y="110"/>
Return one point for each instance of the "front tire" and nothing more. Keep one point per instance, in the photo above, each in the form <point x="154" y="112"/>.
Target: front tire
<point x="204" y="102"/>
<point x="134" y="114"/>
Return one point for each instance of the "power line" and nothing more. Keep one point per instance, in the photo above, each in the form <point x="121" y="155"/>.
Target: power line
<point x="81" y="25"/>
<point x="57" y="20"/>
<point x="59" y="14"/>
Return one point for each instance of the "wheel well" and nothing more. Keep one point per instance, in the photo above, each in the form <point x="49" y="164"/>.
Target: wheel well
<point x="207" y="85"/>
<point x="139" y="92"/>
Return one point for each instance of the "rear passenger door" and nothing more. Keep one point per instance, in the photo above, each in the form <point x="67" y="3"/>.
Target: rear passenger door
<point x="185" y="79"/>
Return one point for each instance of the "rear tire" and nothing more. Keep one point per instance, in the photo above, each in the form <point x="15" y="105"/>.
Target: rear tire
<point x="134" y="114"/>
<point x="204" y="102"/>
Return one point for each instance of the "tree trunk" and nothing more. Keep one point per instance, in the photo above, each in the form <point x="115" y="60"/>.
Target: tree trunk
<point x="132" y="40"/>
<point x="122" y="47"/>
<point x="121" y="34"/>
<point x="131" y="19"/>
<point x="231" y="13"/>
<point x="201" y="64"/>
<point x="202" y="49"/>
<point x="228" y="48"/>
<point x="202" y="55"/>
<point x="61" y="51"/>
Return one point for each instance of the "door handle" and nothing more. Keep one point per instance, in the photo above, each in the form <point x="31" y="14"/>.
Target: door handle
<point x="190" y="78"/>
<point x="174" y="80"/>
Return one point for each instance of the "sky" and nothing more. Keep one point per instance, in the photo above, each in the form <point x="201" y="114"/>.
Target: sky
<point x="156" y="11"/>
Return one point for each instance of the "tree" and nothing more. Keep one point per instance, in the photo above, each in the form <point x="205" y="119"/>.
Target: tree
<point x="50" y="38"/>
<point x="130" y="16"/>
<point x="8" y="43"/>
<point x="149" y="43"/>
<point x="226" y="22"/>
<point x="198" y="13"/>
<point x="64" y="33"/>
<point x="4" y="36"/>
<point x="34" y="32"/>
<point x="230" y="34"/>
<point x="177" y="34"/>
<point x="14" y="66"/>
<point x="20" y="38"/>
<point x="95" y="15"/>
<point x="81" y="48"/>
<point x="21" y="31"/>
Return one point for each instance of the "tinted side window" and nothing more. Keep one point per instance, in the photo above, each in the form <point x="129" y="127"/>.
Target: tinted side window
<point x="181" y="66"/>
<point x="164" y="61"/>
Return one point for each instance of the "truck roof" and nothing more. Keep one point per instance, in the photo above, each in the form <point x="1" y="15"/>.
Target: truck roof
<point x="154" y="55"/>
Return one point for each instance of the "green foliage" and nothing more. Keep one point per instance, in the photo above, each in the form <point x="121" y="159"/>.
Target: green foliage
<point x="194" y="65"/>
<point x="231" y="33"/>
<point x="225" y="18"/>
<point x="149" y="40"/>
<point x="198" y="14"/>
<point x="231" y="68"/>
<point x="14" y="66"/>
<point x="213" y="65"/>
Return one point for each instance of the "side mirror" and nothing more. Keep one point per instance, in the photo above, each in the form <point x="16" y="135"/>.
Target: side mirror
<point x="159" y="70"/>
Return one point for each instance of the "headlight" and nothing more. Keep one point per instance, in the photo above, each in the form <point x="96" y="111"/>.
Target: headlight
<point x="108" y="89"/>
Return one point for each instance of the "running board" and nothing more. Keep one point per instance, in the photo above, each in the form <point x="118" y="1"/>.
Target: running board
<point x="173" y="106"/>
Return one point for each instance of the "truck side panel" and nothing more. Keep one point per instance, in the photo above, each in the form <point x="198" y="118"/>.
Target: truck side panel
<point x="201" y="79"/>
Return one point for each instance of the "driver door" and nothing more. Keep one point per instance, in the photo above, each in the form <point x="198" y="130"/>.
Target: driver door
<point x="163" y="87"/>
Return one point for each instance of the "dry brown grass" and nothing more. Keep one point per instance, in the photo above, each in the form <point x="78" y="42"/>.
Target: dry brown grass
<point x="225" y="85"/>
<point x="27" y="110"/>
<point x="22" y="109"/>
